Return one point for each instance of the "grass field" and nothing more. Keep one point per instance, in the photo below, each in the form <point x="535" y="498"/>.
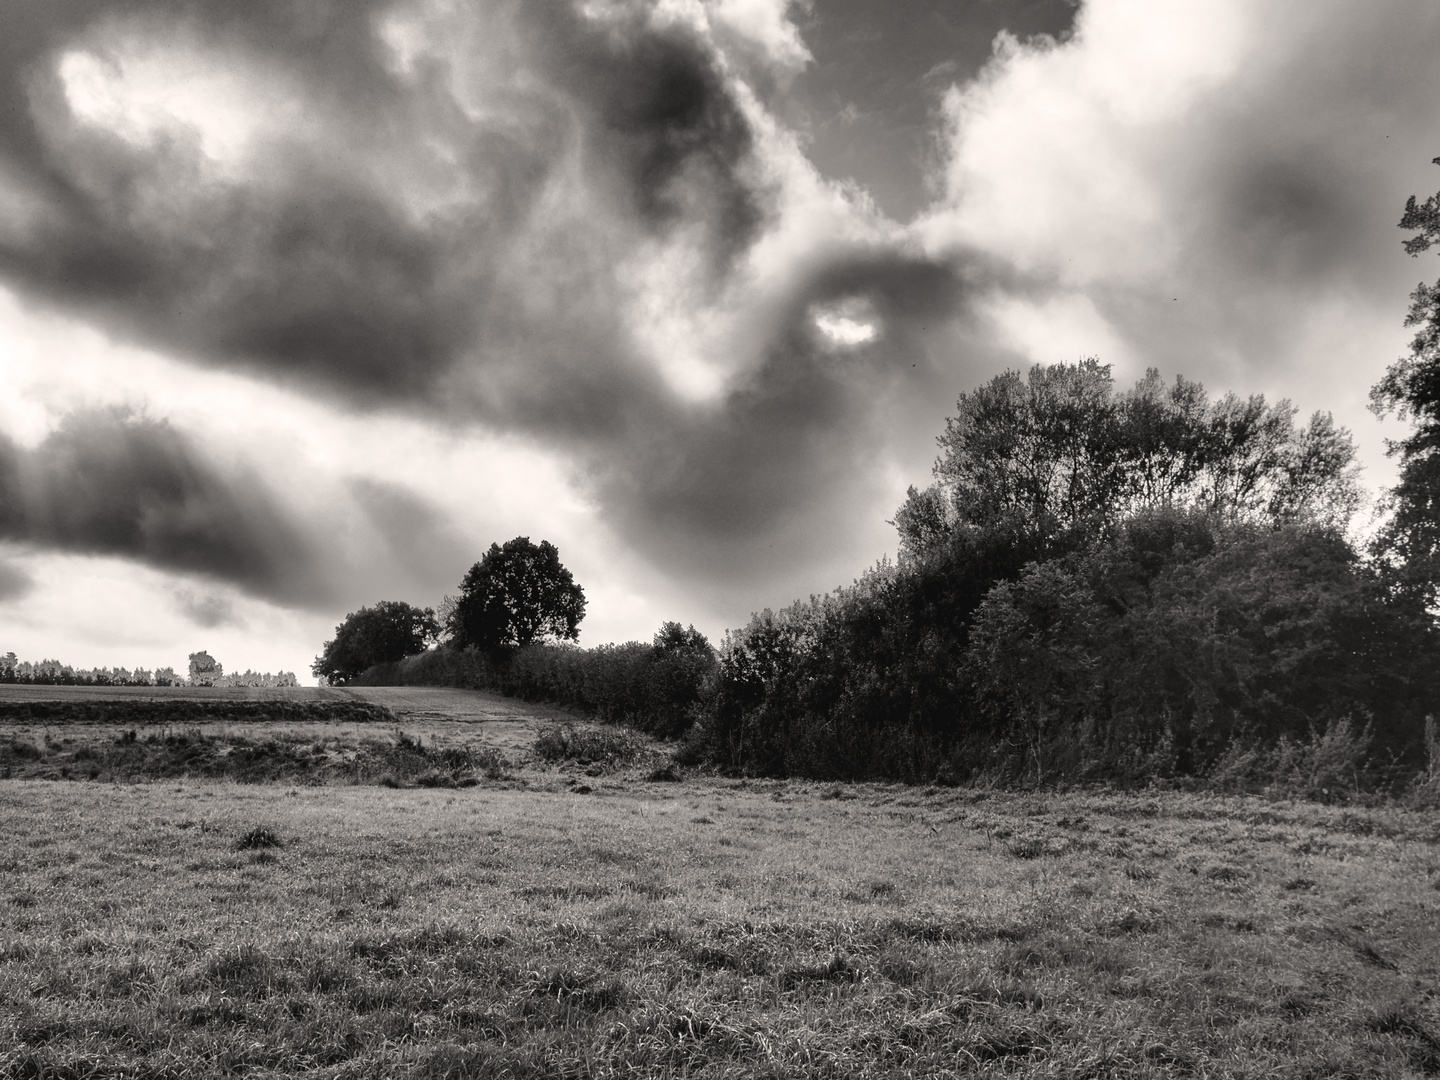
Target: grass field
<point x="404" y="701"/>
<point x="570" y="917"/>
<point x="305" y="736"/>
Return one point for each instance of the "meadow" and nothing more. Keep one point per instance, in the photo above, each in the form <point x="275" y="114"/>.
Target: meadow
<point x="585" y="909"/>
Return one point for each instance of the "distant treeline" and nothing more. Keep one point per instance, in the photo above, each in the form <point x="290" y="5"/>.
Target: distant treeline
<point x="54" y="673"/>
<point x="1099" y="585"/>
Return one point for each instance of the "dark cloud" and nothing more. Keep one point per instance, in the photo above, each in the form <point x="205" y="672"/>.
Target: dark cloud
<point x="774" y="475"/>
<point x="322" y="268"/>
<point x="446" y="237"/>
<point x="106" y="483"/>
<point x="428" y="554"/>
<point x="14" y="582"/>
<point x="207" y="610"/>
<point x="660" y="110"/>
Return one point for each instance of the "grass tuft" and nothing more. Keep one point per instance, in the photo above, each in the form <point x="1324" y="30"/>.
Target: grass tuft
<point x="257" y="839"/>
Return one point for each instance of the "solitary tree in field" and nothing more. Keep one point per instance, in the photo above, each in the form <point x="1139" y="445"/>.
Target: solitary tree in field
<point x="515" y="596"/>
<point x="205" y="670"/>
<point x="1410" y="541"/>
<point x="389" y="631"/>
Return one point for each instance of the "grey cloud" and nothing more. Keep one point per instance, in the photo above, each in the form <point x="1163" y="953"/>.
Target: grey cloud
<point x="775" y="475"/>
<point x="14" y="582"/>
<point x="868" y="102"/>
<point x="106" y="483"/>
<point x="428" y="554"/>
<point x="662" y="113"/>
<point x="502" y="309"/>
<point x="321" y="276"/>
<point x="207" y="610"/>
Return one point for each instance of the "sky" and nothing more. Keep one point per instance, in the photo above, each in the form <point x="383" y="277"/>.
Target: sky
<point x="304" y="303"/>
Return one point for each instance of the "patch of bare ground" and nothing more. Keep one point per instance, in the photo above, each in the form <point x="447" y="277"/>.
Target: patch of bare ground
<point x="707" y="928"/>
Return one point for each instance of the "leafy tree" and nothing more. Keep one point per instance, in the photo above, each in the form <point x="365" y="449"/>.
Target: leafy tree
<point x="515" y="596"/>
<point x="391" y="630"/>
<point x="205" y="670"/>
<point x="1409" y="544"/>
<point x="1058" y="461"/>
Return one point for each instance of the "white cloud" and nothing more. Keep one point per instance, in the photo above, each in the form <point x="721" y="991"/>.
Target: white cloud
<point x="142" y="91"/>
<point x="766" y="23"/>
<point x="1208" y="188"/>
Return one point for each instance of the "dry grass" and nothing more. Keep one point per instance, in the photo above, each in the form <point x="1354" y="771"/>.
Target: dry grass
<point x="405" y="702"/>
<point x="402" y="736"/>
<point x="518" y="928"/>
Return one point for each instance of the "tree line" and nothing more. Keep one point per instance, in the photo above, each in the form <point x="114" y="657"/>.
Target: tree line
<point x="1099" y="583"/>
<point x="204" y="670"/>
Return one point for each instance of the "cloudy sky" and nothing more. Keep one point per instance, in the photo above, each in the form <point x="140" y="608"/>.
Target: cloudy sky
<point x="303" y="303"/>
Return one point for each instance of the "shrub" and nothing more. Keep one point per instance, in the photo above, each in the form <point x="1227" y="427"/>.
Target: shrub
<point x="655" y="688"/>
<point x="568" y="742"/>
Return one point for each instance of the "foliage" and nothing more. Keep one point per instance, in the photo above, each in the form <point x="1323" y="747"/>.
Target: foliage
<point x="54" y="673"/>
<point x="515" y="596"/>
<point x="1409" y="543"/>
<point x="391" y="630"/>
<point x="181" y="713"/>
<point x="204" y="669"/>
<point x="1060" y="460"/>
<point x="607" y="747"/>
<point x="1152" y="656"/>
<point x="242" y="742"/>
<point x="1097" y="585"/>
<point x="657" y="687"/>
<point x="863" y="682"/>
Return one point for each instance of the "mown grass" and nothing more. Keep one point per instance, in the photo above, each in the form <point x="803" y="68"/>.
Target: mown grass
<point x="709" y="929"/>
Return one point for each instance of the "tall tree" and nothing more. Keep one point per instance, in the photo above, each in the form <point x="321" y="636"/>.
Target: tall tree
<point x="1409" y="544"/>
<point x="1057" y="460"/>
<point x="516" y="595"/>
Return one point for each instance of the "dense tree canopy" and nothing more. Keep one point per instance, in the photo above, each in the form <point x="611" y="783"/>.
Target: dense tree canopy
<point x="1097" y="584"/>
<point x="515" y="596"/>
<point x="1058" y="458"/>
<point x="391" y="630"/>
<point x="1409" y="544"/>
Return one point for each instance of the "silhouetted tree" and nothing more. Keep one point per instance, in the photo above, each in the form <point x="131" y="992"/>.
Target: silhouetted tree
<point x="515" y="596"/>
<point x="389" y="631"/>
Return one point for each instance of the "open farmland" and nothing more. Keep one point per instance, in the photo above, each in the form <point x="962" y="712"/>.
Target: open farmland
<point x="571" y="917"/>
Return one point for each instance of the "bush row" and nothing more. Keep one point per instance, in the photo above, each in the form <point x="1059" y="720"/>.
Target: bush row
<point x="655" y="688"/>
<point x="1186" y="648"/>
